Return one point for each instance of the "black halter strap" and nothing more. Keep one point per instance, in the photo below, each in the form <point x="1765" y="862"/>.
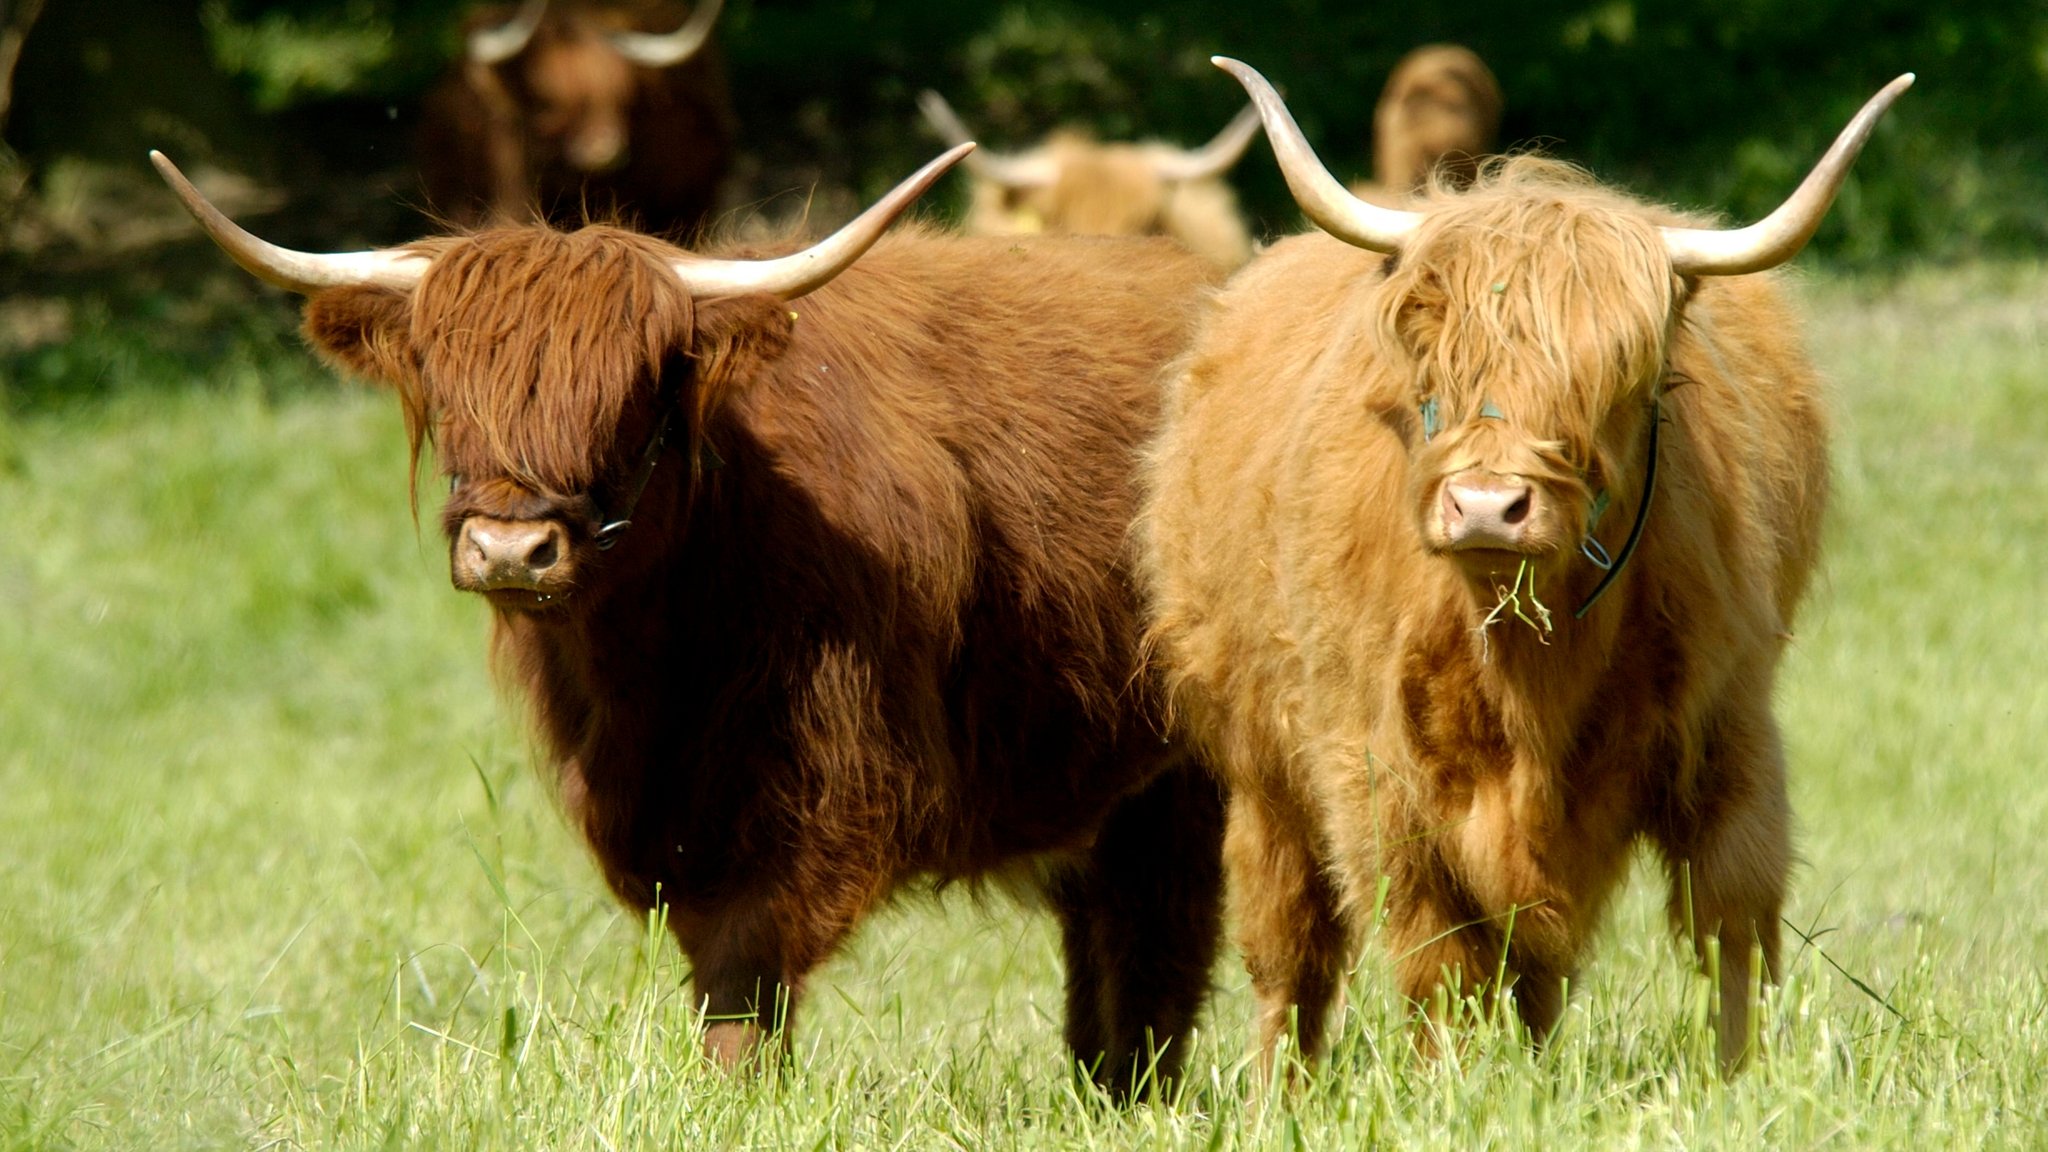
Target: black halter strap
<point x="610" y="529"/>
<point x="608" y="533"/>
<point x="1635" y="533"/>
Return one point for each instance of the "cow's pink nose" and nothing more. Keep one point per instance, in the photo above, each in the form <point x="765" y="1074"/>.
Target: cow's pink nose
<point x="493" y="554"/>
<point x="1484" y="511"/>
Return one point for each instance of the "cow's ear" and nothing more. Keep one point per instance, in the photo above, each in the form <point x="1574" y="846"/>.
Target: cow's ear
<point x="736" y="340"/>
<point x="366" y="331"/>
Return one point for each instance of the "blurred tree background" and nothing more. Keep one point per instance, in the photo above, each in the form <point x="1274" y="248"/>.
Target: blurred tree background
<point x="1719" y="104"/>
<point x="312" y="103"/>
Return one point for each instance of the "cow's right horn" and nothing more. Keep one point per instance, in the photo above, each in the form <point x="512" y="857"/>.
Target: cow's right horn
<point x="303" y="272"/>
<point x="1778" y="237"/>
<point x="500" y="43"/>
<point x="1009" y="171"/>
<point x="668" y="49"/>
<point x="1322" y="199"/>
<point x="806" y="271"/>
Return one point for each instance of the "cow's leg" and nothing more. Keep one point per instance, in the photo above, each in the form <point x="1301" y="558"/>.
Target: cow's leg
<point x="1073" y="895"/>
<point x="1539" y="991"/>
<point x="750" y="959"/>
<point x="1449" y="945"/>
<point x="1140" y="919"/>
<point x="1442" y="951"/>
<point x="815" y="872"/>
<point x="1443" y="954"/>
<point x="1503" y="899"/>
<point x="1287" y="922"/>
<point x="743" y="985"/>
<point x="1729" y="869"/>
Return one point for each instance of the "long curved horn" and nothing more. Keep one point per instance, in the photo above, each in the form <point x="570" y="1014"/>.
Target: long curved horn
<point x="1010" y="171"/>
<point x="791" y="276"/>
<point x="1322" y="199"/>
<point x="1213" y="158"/>
<point x="503" y="42"/>
<point x="668" y="49"/>
<point x="302" y="272"/>
<point x="1779" y="237"/>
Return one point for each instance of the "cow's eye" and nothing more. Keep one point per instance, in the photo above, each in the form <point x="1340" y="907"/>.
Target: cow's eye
<point x="454" y="482"/>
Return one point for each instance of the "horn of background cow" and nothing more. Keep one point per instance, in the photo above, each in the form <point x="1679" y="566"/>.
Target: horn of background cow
<point x="1213" y="158"/>
<point x="668" y="49"/>
<point x="806" y="271"/>
<point x="1321" y="197"/>
<point x="303" y="272"/>
<point x="499" y="44"/>
<point x="1009" y="171"/>
<point x="1779" y="237"/>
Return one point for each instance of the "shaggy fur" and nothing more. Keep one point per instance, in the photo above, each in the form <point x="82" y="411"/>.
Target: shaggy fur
<point x="875" y="618"/>
<point x="1328" y="652"/>
<point x="531" y="137"/>
<point x="1439" y="114"/>
<point x="1114" y="190"/>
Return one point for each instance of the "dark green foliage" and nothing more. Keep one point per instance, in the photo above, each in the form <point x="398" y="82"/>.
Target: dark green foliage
<point x="1718" y="105"/>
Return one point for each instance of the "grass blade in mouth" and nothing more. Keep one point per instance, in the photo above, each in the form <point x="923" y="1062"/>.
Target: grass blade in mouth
<point x="1511" y="599"/>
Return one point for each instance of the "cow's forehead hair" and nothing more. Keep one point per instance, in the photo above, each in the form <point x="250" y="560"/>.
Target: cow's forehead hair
<point x="1537" y="290"/>
<point x="532" y="344"/>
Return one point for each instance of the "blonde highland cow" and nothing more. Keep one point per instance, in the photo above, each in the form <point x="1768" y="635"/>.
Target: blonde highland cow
<point x="1473" y="536"/>
<point x="1441" y="108"/>
<point x="1074" y="184"/>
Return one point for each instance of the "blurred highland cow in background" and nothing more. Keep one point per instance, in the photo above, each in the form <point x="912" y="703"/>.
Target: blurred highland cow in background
<point x="1441" y="108"/>
<point x="1074" y="184"/>
<point x="578" y="111"/>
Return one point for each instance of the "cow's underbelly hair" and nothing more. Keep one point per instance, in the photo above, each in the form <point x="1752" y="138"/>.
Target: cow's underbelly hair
<point x="715" y="805"/>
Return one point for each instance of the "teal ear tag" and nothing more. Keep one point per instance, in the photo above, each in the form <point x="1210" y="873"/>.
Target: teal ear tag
<point x="1491" y="411"/>
<point x="1429" y="418"/>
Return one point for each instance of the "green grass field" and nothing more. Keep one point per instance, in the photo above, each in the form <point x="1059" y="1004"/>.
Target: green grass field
<point x="275" y="870"/>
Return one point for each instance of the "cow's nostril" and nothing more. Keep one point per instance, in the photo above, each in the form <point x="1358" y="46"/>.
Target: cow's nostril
<point x="1454" y="512"/>
<point x="1517" y="511"/>
<point x="544" y="554"/>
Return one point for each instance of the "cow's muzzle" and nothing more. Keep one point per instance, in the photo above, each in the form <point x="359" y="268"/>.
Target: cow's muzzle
<point x="513" y="556"/>
<point x="1488" y="511"/>
<point x="597" y="149"/>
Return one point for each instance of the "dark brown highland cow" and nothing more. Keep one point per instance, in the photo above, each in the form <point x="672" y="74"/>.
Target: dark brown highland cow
<point x="816" y="575"/>
<point x="1473" y="538"/>
<point x="581" y="110"/>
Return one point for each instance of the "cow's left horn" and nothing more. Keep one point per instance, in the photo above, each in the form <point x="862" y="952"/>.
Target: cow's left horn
<point x="806" y="271"/>
<point x="304" y="272"/>
<point x="1213" y="158"/>
<point x="668" y="49"/>
<point x="1322" y="199"/>
<point x="1779" y="237"/>
<point x="498" y="44"/>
